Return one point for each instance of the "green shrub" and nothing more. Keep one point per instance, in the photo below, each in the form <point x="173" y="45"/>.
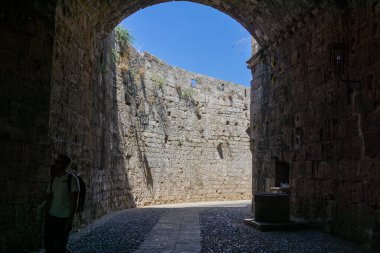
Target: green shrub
<point x="123" y="36"/>
<point x="159" y="80"/>
<point x="188" y="94"/>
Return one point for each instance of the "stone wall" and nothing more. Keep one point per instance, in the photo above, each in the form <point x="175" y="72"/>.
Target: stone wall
<point x="195" y="147"/>
<point x="325" y="129"/>
<point x="59" y="95"/>
<point x="80" y="114"/>
<point x="122" y="167"/>
<point x="53" y="99"/>
<point x="26" y="50"/>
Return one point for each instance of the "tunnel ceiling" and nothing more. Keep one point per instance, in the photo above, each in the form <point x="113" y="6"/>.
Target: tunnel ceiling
<point x="266" y="20"/>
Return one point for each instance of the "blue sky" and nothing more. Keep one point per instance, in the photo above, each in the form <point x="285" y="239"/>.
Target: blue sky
<point x="194" y="37"/>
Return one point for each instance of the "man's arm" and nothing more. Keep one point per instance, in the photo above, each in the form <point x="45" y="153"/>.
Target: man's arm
<point x="73" y="208"/>
<point x="48" y="196"/>
<point x="48" y="200"/>
<point x="74" y="196"/>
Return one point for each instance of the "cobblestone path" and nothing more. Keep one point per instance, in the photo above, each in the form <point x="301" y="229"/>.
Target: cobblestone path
<point x="196" y="227"/>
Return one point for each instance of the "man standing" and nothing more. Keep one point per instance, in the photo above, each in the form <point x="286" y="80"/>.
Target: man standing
<point x="62" y="203"/>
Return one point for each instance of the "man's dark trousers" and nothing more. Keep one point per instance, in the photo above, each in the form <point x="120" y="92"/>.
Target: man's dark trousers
<point x="55" y="237"/>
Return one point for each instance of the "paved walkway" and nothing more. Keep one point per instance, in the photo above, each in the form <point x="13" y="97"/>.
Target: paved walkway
<point x="178" y="230"/>
<point x="207" y="227"/>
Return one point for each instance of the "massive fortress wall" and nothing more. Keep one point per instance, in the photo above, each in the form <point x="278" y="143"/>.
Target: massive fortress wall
<point x="195" y="147"/>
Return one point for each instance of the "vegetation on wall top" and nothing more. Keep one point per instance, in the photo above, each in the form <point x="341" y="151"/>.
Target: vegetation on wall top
<point x="123" y="36"/>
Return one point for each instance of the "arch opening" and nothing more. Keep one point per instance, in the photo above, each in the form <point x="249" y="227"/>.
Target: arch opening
<point x="194" y="37"/>
<point x="51" y="57"/>
<point x="178" y="148"/>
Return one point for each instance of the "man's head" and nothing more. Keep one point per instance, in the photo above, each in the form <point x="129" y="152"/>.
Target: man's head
<point x="61" y="163"/>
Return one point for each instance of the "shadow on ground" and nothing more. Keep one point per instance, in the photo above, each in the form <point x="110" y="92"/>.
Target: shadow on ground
<point x="222" y="230"/>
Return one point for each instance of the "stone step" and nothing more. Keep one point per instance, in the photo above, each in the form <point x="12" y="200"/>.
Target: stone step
<point x="277" y="226"/>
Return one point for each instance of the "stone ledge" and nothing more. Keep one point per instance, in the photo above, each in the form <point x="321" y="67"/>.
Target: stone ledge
<point x="275" y="226"/>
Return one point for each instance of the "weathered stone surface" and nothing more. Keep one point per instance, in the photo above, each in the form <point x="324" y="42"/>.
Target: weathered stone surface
<point x="265" y="20"/>
<point x="26" y="49"/>
<point x="196" y="147"/>
<point x="53" y="99"/>
<point x="324" y="128"/>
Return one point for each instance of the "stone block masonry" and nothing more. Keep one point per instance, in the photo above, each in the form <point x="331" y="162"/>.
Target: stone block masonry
<point x="325" y="129"/>
<point x="55" y="97"/>
<point x="26" y="51"/>
<point x="195" y="147"/>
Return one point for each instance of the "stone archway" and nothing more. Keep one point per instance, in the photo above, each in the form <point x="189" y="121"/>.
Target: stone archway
<point x="266" y="21"/>
<point x="325" y="128"/>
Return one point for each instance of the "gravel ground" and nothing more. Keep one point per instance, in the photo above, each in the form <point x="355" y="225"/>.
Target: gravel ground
<point x="223" y="231"/>
<point x="120" y="232"/>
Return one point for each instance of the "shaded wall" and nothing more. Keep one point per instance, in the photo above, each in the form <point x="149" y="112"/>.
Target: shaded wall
<point x="326" y="129"/>
<point x="84" y="112"/>
<point x="38" y="101"/>
<point x="26" y="49"/>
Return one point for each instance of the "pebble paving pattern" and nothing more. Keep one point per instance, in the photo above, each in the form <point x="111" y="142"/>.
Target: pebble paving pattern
<point x="223" y="230"/>
<point x="120" y="232"/>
